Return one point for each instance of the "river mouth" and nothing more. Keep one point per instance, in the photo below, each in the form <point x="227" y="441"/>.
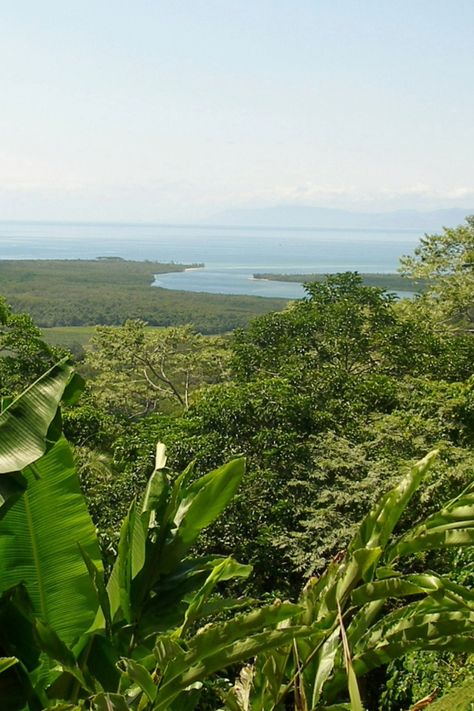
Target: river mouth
<point x="228" y="280"/>
<point x="239" y="281"/>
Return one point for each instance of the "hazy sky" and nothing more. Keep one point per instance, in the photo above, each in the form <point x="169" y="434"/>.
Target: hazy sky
<point x="171" y="111"/>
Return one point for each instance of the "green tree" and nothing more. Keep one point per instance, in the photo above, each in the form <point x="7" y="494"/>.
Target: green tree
<point x="24" y="356"/>
<point x="342" y="331"/>
<point x="446" y="261"/>
<point x="137" y="371"/>
<point x="340" y="326"/>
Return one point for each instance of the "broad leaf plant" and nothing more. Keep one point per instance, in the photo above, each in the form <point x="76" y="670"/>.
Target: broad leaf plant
<point x="151" y="636"/>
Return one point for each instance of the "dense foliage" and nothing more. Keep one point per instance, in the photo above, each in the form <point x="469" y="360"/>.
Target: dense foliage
<point x="71" y="641"/>
<point x="329" y="400"/>
<point x="446" y="260"/>
<point x="165" y="366"/>
<point x="110" y="291"/>
<point x="24" y="356"/>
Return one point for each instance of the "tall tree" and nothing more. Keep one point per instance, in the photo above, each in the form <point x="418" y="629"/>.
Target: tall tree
<point x="138" y="370"/>
<point x="446" y="261"/>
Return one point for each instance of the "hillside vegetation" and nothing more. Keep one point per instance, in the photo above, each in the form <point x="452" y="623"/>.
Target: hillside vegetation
<point x="318" y="551"/>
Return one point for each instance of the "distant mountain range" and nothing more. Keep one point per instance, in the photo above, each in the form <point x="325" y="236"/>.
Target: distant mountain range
<point x="306" y="217"/>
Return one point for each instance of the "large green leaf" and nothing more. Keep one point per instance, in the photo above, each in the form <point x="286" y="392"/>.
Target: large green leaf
<point x="128" y="564"/>
<point x="39" y="545"/>
<point x="429" y="624"/>
<point x="177" y="517"/>
<point x="225" y="570"/>
<point x="199" y="667"/>
<point x="140" y="675"/>
<point x="352" y="685"/>
<point x="452" y="526"/>
<point x="222" y="645"/>
<point x="429" y="614"/>
<point x="377" y="527"/>
<point x="97" y="580"/>
<point x="24" y="424"/>
<point x="201" y="503"/>
<point x="339" y="585"/>
<point x="399" y="586"/>
<point x="130" y="560"/>
<point x="133" y="544"/>
<point x="269" y="675"/>
<point x="166" y="608"/>
<point x="323" y="666"/>
<point x="158" y="489"/>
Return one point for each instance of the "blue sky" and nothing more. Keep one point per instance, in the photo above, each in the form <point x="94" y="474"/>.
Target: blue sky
<point x="171" y="111"/>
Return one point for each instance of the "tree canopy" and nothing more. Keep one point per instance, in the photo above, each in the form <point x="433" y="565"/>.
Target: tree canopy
<point x="138" y="371"/>
<point x="24" y="355"/>
<point x="446" y="261"/>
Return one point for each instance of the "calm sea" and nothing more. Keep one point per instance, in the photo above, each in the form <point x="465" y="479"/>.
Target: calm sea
<point x="231" y="254"/>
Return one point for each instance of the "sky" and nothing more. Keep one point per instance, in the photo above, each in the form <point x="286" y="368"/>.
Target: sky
<point x="174" y="111"/>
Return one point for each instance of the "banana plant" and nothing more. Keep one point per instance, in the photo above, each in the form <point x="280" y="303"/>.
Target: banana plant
<point x="66" y="636"/>
<point x="359" y="614"/>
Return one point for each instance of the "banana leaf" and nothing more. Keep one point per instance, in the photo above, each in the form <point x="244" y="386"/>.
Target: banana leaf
<point x="198" y="506"/>
<point x="176" y="519"/>
<point x="377" y="527"/>
<point x="452" y="526"/>
<point x="226" y="570"/>
<point x="221" y="645"/>
<point x="24" y="424"/>
<point x="39" y="545"/>
<point x="28" y="426"/>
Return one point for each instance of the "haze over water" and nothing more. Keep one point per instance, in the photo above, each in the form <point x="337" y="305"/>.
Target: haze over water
<point x="231" y="254"/>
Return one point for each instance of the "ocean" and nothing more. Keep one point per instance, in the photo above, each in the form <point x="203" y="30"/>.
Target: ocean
<point x="231" y="254"/>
